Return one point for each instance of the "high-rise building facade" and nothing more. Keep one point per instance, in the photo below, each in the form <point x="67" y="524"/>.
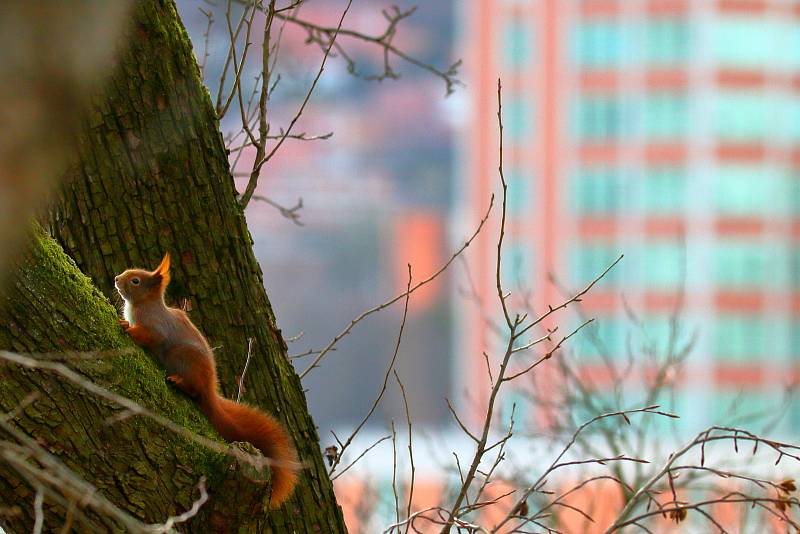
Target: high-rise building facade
<point x="665" y="130"/>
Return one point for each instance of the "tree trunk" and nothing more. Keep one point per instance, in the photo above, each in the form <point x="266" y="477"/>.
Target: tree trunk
<point x="152" y="176"/>
<point x="151" y="474"/>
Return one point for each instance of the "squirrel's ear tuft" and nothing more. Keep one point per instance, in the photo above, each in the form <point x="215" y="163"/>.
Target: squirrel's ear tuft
<point x="161" y="274"/>
<point x="163" y="267"/>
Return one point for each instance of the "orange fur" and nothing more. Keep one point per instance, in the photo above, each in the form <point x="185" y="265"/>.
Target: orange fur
<point x="185" y="353"/>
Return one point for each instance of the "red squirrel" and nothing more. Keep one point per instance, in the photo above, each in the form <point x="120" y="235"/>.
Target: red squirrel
<point x="180" y="347"/>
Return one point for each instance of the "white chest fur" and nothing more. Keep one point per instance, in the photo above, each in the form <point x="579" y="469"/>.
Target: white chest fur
<point x="128" y="313"/>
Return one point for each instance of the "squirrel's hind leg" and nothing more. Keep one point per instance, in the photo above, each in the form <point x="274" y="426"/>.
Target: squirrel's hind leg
<point x="191" y="371"/>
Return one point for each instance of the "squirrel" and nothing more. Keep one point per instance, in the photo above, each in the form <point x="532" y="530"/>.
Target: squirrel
<point x="180" y="347"/>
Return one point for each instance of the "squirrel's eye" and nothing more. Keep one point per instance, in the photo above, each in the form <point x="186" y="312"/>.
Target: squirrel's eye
<point x="135" y="281"/>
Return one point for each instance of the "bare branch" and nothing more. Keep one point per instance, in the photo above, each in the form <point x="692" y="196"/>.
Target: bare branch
<point x="261" y="155"/>
<point x="386" y="375"/>
<point x="388" y="303"/>
<point x="188" y="514"/>
<point x="293" y="213"/>
<point x="244" y="370"/>
<point x="410" y="447"/>
<point x="258" y="462"/>
<point x="324" y="37"/>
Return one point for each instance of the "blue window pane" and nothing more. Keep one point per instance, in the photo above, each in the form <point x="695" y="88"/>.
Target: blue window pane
<point x="793" y="420"/>
<point x="666" y="116"/>
<point x="680" y="403"/>
<point x="517" y="265"/>
<point x="739" y="337"/>
<point x="791" y="38"/>
<point x="591" y="259"/>
<point x="662" y="265"/>
<point x="603" y="339"/>
<point x="740" y="264"/>
<point x="794" y="274"/>
<point x="667" y="41"/>
<point x="792" y="119"/>
<point x="517" y="118"/>
<point x="794" y="341"/>
<point x="734" y="408"/>
<point x="599" y="118"/>
<point x="520" y="185"/>
<point x="742" y="41"/>
<point x="516" y="402"/>
<point x="656" y="333"/>
<point x="743" y="190"/>
<point x="792" y="182"/>
<point x="598" y="43"/>
<point x="664" y="190"/>
<point x="597" y="191"/>
<point x="743" y="116"/>
<point x="517" y="44"/>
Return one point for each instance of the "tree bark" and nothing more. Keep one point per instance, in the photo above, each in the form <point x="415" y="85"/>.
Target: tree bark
<point x="152" y="176"/>
<point x="151" y="474"/>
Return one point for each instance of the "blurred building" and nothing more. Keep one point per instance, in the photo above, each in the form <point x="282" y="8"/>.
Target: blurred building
<point x="375" y="198"/>
<point x="667" y="130"/>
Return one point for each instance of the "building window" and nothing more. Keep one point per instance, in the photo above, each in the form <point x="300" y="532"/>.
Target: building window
<point x="517" y="47"/>
<point x="601" y="400"/>
<point x="794" y="340"/>
<point x="792" y="182"/>
<point x="794" y="413"/>
<point x="599" y="118"/>
<point x="792" y="42"/>
<point x="516" y="402"/>
<point x="739" y="337"/>
<point x="657" y="334"/>
<point x="683" y="402"/>
<point x="603" y="339"/>
<point x="517" y="118"/>
<point x="744" y="190"/>
<point x="740" y="264"/>
<point x="662" y="265"/>
<point x="598" y="43"/>
<point x="517" y="266"/>
<point x="735" y="407"/>
<point x="792" y="119"/>
<point x="664" y="190"/>
<point x="519" y="185"/>
<point x="590" y="259"/>
<point x="597" y="191"/>
<point x="743" y="116"/>
<point x="794" y="277"/>
<point x="665" y="116"/>
<point x="744" y="41"/>
<point x="667" y="41"/>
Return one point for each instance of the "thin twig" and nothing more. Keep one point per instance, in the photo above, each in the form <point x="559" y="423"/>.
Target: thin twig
<point x="188" y="514"/>
<point x="244" y="370"/>
<point x="261" y="156"/>
<point x="386" y="375"/>
<point x="256" y="461"/>
<point x="391" y="301"/>
<point x="410" y="447"/>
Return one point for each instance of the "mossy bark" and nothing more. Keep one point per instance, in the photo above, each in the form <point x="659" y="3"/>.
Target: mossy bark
<point x="49" y="306"/>
<point x="152" y="176"/>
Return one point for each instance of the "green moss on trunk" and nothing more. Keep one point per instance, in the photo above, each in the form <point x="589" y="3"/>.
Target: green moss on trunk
<point x="49" y="306"/>
<point x="152" y="176"/>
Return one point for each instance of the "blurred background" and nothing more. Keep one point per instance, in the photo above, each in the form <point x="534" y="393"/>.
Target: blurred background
<point x="664" y="130"/>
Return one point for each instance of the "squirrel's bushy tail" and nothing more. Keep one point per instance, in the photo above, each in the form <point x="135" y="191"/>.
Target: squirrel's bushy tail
<point x="239" y="422"/>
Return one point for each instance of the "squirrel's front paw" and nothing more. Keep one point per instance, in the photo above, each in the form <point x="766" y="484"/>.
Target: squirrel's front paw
<point x="175" y="379"/>
<point x="124" y="324"/>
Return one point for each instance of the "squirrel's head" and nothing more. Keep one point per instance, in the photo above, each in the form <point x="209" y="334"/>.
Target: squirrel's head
<point x="138" y="285"/>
